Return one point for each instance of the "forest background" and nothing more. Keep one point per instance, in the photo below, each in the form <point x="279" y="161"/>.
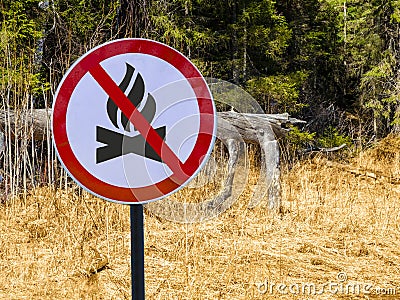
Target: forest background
<point x="333" y="63"/>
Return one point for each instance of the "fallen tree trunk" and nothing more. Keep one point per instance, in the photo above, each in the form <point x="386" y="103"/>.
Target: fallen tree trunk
<point x="234" y="129"/>
<point x="33" y="123"/>
<point x="38" y="122"/>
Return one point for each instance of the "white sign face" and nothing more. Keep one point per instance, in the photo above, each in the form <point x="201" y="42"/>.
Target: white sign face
<point x="133" y="121"/>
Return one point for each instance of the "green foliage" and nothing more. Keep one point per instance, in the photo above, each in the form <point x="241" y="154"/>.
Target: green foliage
<point x="295" y="142"/>
<point x="22" y="20"/>
<point x="81" y="25"/>
<point x="279" y="91"/>
<point x="64" y="30"/>
<point x="301" y="139"/>
<point x="396" y="12"/>
<point x="224" y="36"/>
<point x="266" y="30"/>
<point x="332" y="138"/>
<point x="376" y="93"/>
<point x="20" y="30"/>
<point x="371" y="52"/>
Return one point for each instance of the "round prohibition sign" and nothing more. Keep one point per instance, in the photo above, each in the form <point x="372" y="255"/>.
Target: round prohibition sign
<point x="133" y="121"/>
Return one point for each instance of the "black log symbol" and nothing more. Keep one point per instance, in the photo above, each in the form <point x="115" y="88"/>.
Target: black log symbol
<point x="118" y="144"/>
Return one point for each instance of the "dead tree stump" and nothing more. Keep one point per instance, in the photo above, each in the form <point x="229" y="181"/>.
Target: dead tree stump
<point x="262" y="129"/>
<point x="234" y="129"/>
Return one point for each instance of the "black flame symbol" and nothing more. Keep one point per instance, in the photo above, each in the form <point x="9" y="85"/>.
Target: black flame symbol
<point x="118" y="144"/>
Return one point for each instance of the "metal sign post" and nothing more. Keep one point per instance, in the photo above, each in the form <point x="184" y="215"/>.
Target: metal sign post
<point x="137" y="251"/>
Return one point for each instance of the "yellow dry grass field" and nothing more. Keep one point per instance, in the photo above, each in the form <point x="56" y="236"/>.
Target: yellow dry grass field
<point x="337" y="237"/>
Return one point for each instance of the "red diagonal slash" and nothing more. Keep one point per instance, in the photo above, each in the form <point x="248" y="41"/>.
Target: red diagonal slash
<point x="140" y="123"/>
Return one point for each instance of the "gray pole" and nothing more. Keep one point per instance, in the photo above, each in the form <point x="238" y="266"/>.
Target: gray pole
<point x="137" y="251"/>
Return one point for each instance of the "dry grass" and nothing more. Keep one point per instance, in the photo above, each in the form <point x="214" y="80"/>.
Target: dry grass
<point x="52" y="242"/>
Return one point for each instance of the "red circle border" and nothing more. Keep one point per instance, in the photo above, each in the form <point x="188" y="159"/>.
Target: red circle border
<point x="205" y="138"/>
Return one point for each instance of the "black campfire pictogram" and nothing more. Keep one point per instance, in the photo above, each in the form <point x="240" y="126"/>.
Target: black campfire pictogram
<point x="118" y="144"/>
